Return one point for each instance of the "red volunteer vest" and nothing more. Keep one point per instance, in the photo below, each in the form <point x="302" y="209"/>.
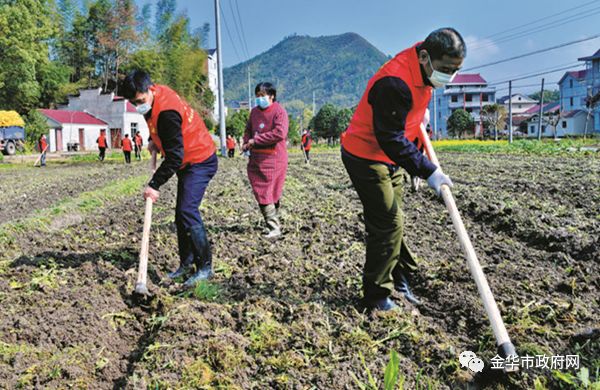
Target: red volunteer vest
<point x="197" y="142"/>
<point x="230" y="143"/>
<point x="308" y="144"/>
<point x="102" y="141"/>
<point x="360" y="138"/>
<point x="126" y="145"/>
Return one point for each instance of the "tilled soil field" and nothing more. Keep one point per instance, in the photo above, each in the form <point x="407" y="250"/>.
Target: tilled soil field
<point x="284" y="314"/>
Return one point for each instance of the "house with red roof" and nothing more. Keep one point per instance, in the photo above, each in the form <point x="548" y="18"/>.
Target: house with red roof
<point x="72" y="130"/>
<point x="120" y="115"/>
<point x="469" y="92"/>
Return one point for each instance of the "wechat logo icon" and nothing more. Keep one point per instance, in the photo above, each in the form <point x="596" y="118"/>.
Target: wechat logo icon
<point x="469" y="360"/>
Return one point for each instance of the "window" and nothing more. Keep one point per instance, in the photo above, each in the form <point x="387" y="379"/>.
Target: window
<point x="439" y="102"/>
<point x="571" y="83"/>
<point x="484" y="97"/>
<point x="519" y="99"/>
<point x="564" y="124"/>
<point x="468" y="98"/>
<point x="454" y="98"/>
<point x="532" y="129"/>
<point x="571" y="101"/>
<point x="520" y="105"/>
<point x="543" y="128"/>
<point x="469" y="109"/>
<point x="439" y="115"/>
<point x="134" y="128"/>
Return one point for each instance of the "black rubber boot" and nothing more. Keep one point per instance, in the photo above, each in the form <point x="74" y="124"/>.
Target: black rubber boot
<point x="186" y="256"/>
<point x="401" y="285"/>
<point x="383" y="304"/>
<point x="202" y="255"/>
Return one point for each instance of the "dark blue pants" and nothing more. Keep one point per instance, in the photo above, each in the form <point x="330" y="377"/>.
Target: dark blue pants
<point x="191" y="185"/>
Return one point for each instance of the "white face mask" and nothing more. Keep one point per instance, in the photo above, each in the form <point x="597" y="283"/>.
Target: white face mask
<point x="439" y="79"/>
<point x="143" y="108"/>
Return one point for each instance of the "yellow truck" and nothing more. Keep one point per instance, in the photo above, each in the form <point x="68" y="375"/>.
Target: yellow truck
<point x="12" y="132"/>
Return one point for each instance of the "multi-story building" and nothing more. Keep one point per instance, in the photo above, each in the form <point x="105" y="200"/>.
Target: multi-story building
<point x="467" y="91"/>
<point x="119" y="115"/>
<point x="519" y="103"/>
<point x="212" y="73"/>
<point x="577" y="88"/>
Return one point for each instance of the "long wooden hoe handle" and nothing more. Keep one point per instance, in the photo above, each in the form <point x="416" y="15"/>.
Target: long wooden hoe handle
<point x="40" y="156"/>
<point x="505" y="346"/>
<point x="143" y="267"/>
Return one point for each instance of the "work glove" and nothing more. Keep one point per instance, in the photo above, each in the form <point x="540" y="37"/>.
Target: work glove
<point x="436" y="179"/>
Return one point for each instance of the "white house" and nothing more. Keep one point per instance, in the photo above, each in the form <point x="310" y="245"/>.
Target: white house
<point x="519" y="103"/>
<point x="118" y="113"/>
<point x="69" y="129"/>
<point x="213" y="79"/>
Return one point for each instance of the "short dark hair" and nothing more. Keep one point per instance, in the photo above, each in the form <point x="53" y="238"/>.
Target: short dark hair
<point x="267" y="88"/>
<point x="136" y="81"/>
<point x="444" y="41"/>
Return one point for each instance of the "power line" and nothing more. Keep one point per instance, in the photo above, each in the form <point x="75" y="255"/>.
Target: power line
<point x="525" y="86"/>
<point x="532" y="53"/>
<point x="532" y="75"/>
<point x="569" y="64"/>
<point x="229" y="35"/>
<point x="544" y="27"/>
<point x="237" y="30"/>
<point x="237" y="8"/>
<point x="561" y="13"/>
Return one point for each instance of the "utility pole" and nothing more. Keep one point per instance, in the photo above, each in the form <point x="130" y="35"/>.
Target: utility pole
<point x="220" y="78"/>
<point x="541" y="111"/>
<point x="314" y="105"/>
<point x="249" y="91"/>
<point x="510" y="125"/>
<point x="435" y="134"/>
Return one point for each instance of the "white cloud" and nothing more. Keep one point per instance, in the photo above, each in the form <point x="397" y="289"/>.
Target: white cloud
<point x="480" y="50"/>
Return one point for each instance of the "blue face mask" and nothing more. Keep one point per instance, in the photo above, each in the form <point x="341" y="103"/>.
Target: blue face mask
<point x="262" y="102"/>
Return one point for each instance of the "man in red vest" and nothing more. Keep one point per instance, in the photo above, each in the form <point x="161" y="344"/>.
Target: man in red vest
<point x="382" y="137"/>
<point x="102" y="145"/>
<point x="127" y="147"/>
<point x="230" y="146"/>
<point x="306" y="145"/>
<point x="42" y="146"/>
<point x="138" y="142"/>
<point x="178" y="132"/>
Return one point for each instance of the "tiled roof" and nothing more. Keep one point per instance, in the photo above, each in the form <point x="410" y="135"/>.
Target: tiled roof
<point x="548" y="107"/>
<point x="75" y="117"/>
<point x="468" y="78"/>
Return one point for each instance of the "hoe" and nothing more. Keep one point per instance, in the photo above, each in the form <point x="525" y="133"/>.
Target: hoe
<point x="505" y="346"/>
<point x="141" y="289"/>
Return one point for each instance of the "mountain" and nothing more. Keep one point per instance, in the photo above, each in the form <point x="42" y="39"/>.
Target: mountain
<point x="336" y="68"/>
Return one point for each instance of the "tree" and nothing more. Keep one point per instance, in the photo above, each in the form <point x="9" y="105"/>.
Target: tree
<point x="342" y="119"/>
<point x="549" y="96"/>
<point x="324" y="121"/>
<point x="294" y="130"/>
<point x="494" y="117"/>
<point x="35" y="125"/>
<point x="235" y="123"/>
<point x="26" y="26"/>
<point x="165" y="9"/>
<point x="459" y="123"/>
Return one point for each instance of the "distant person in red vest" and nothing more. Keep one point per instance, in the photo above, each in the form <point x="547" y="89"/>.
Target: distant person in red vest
<point x="382" y="138"/>
<point x="102" y="145"/>
<point x="127" y="147"/>
<point x="138" y="142"/>
<point x="42" y="146"/>
<point x="306" y="145"/>
<point x="230" y="146"/>
<point x="178" y="132"/>
<point x="265" y="136"/>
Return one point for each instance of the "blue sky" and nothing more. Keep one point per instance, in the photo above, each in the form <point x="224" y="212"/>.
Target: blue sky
<point x="392" y="25"/>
